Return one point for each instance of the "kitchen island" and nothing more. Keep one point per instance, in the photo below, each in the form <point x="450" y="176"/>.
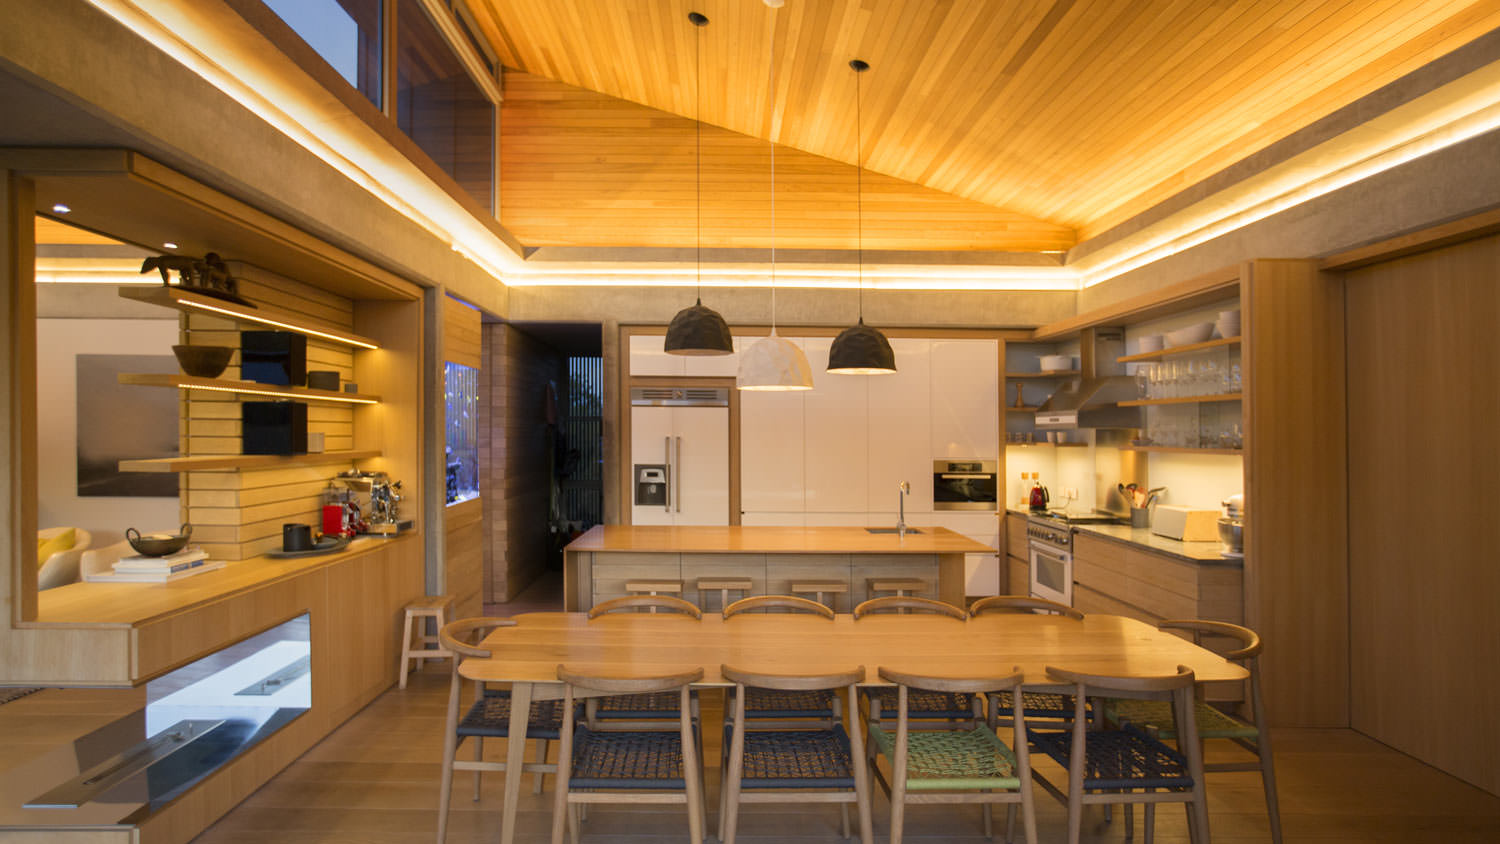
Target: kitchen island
<point x="598" y="564"/>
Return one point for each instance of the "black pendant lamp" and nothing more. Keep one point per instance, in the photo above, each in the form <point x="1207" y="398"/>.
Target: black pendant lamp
<point x="860" y="349"/>
<point x="698" y="330"/>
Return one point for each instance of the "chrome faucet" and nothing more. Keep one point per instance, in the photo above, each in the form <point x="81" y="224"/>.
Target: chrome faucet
<point x="904" y="490"/>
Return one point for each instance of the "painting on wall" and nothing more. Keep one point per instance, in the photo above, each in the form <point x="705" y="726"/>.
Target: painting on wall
<point x="120" y="422"/>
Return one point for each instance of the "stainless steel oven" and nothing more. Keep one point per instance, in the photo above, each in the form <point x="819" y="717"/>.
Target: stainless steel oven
<point x="1050" y="552"/>
<point x="965" y="484"/>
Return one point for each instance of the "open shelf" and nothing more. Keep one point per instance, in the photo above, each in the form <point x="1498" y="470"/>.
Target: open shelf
<point x="1049" y="445"/>
<point x="236" y="462"/>
<point x="1057" y="373"/>
<point x="1169" y="449"/>
<point x="1027" y="409"/>
<point x="249" y="388"/>
<point x="1179" y="350"/>
<point x="1184" y="400"/>
<point x="183" y="300"/>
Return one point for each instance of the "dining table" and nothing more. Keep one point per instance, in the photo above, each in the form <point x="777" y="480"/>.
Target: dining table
<point x="625" y="644"/>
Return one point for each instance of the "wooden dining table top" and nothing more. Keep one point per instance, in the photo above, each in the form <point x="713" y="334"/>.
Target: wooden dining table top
<point x="640" y="644"/>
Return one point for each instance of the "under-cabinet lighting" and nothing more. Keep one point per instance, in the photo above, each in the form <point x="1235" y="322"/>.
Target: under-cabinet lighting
<point x="169" y="245"/>
<point x="256" y="391"/>
<point x="252" y="316"/>
<point x="60" y="208"/>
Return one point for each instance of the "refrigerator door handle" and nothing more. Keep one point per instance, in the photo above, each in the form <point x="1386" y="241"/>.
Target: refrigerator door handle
<point x="671" y="475"/>
<point x="678" y="479"/>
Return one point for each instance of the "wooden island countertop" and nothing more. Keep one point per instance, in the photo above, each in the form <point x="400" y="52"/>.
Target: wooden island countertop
<point x="738" y="539"/>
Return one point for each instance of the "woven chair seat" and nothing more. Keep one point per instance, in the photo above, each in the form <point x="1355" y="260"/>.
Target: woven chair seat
<point x="952" y="759"/>
<point x="925" y="704"/>
<point x="657" y="705"/>
<point x="636" y="759"/>
<point x="780" y="703"/>
<point x="795" y="758"/>
<point x="1119" y="759"/>
<point x="489" y="717"/>
<point x="1212" y="723"/>
<point x="1039" y="705"/>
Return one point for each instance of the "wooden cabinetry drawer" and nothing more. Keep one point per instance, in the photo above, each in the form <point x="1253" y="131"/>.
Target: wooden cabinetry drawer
<point x="1017" y="575"/>
<point x="1159" y="584"/>
<point x="1015" y="536"/>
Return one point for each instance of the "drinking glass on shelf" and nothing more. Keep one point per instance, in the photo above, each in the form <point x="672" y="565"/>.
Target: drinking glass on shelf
<point x="1233" y="381"/>
<point x="1143" y="381"/>
<point x="1211" y="377"/>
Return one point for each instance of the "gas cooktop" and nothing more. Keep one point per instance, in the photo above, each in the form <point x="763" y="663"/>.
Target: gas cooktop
<point x="1080" y="518"/>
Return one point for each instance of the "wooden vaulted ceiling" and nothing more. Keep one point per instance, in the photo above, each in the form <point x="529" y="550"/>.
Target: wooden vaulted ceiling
<point x="1021" y="123"/>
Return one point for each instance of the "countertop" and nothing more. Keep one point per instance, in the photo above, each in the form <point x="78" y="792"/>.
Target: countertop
<point x="1194" y="552"/>
<point x="736" y="539"/>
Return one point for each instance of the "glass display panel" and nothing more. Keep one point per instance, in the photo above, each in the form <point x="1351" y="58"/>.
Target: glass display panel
<point x="461" y="398"/>
<point x="346" y="33"/>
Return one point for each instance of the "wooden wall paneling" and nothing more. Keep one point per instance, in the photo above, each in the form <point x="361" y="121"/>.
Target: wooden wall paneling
<point x="393" y="372"/>
<point x="1296" y="555"/>
<point x="462" y="331"/>
<point x="463" y="563"/>
<point x="18" y="415"/>
<point x="1424" y="394"/>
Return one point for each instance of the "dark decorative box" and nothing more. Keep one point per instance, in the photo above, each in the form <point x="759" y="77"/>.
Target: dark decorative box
<point x="323" y="379"/>
<point x="273" y="357"/>
<point x="273" y="427"/>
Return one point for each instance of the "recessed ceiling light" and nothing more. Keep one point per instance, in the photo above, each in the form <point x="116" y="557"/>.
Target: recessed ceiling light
<point x="60" y="208"/>
<point x="169" y="245"/>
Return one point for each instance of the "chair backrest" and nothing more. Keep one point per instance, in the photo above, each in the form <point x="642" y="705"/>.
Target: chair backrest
<point x="630" y="685"/>
<point x="661" y="602"/>
<point x="461" y="636"/>
<point x="958" y="685"/>
<point x="782" y="602"/>
<point x="1022" y="603"/>
<point x="793" y="682"/>
<point x="1125" y="683"/>
<point x="908" y="602"/>
<point x="1250" y="645"/>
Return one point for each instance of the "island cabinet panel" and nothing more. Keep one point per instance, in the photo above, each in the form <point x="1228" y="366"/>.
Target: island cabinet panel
<point x="610" y="573"/>
<point x="696" y="566"/>
<point x="785" y="570"/>
<point x="926" y="568"/>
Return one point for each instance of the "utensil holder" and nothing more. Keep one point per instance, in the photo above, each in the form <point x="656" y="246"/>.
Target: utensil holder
<point x="1140" y="517"/>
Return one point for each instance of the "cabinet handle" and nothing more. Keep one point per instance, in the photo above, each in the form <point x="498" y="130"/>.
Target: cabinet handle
<point x="671" y="474"/>
<point x="679" y="476"/>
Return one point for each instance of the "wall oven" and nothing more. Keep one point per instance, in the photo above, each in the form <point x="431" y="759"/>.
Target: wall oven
<point x="1050" y="553"/>
<point x="965" y="484"/>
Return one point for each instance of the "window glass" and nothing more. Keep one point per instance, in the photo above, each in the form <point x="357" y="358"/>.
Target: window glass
<point x="346" y="33"/>
<point x="439" y="106"/>
<point x="462" y="400"/>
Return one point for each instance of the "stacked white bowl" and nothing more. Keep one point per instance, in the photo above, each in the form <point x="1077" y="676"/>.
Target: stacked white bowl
<point x="1228" y="324"/>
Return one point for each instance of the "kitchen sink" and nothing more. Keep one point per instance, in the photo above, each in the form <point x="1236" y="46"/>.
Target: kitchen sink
<point x="892" y="530"/>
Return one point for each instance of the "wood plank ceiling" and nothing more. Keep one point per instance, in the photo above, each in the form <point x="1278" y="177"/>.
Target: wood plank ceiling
<point x="1059" y="114"/>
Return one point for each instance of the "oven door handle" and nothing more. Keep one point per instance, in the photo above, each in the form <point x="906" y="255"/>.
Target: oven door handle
<point x="956" y="477"/>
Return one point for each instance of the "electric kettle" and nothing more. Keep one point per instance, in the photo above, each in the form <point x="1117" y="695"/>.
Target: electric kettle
<point x="1039" y="497"/>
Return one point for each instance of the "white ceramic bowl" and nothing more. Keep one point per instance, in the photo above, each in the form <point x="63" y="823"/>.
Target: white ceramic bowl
<point x="1149" y="343"/>
<point x="1056" y="363"/>
<point x="1227" y="330"/>
<point x="1192" y="334"/>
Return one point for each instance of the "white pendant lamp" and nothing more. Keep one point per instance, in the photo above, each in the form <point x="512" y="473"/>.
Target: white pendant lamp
<point x="698" y="330"/>
<point x="774" y="363"/>
<point x="860" y="349"/>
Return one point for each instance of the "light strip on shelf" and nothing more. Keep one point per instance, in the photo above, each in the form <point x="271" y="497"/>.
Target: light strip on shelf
<point x="254" y="391"/>
<point x="251" y="316"/>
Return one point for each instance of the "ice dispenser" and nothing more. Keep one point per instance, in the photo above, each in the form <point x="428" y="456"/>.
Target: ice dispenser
<point x="651" y="484"/>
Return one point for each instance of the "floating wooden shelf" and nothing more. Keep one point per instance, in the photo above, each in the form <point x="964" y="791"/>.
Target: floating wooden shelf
<point x="236" y="462"/>
<point x="249" y="388"/>
<point x="1179" y="350"/>
<point x="1050" y="445"/>
<point x="183" y="300"/>
<point x="1184" y="400"/>
<point x="1170" y="449"/>
<point x="1058" y="373"/>
<point x="1023" y="409"/>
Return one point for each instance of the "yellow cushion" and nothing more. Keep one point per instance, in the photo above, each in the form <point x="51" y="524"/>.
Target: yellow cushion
<point x="47" y="547"/>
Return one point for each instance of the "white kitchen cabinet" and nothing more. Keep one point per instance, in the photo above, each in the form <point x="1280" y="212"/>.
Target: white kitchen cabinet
<point x="757" y="519"/>
<point x="771" y="452"/>
<point x="900" y="429"/>
<point x="648" y="357"/>
<point x="836" y="431"/>
<point x="965" y="399"/>
<point x="981" y="571"/>
<point x="719" y="366"/>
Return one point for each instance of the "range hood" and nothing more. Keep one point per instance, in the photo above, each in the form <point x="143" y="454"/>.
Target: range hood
<point x="1091" y="403"/>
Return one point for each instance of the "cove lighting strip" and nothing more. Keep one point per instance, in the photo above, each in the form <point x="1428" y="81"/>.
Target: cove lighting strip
<point x="253" y="391"/>
<point x="251" y="316"/>
<point x="949" y="279"/>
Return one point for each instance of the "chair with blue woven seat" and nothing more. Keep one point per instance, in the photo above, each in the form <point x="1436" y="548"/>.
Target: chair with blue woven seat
<point x="786" y="707"/>
<point x="1038" y="706"/>
<point x="953" y="766"/>
<point x="1127" y="764"/>
<point x="487" y="717"/>
<point x="638" y="766"/>
<point x="818" y="765"/>
<point x="933" y="710"/>
<point x="1213" y="723"/>
<point x="630" y="712"/>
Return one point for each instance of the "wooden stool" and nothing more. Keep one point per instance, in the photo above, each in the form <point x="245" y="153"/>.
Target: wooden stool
<point x="902" y="586"/>
<point x="654" y="587"/>
<point x="723" y="585"/>
<point x="819" y="588"/>
<point x="431" y="606"/>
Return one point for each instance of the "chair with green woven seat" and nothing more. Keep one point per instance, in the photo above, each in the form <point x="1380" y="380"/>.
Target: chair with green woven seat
<point x="637" y="766"/>
<point x="933" y="710"/>
<point x="1126" y="764"/>
<point x="786" y="708"/>
<point x="781" y="765"/>
<point x="953" y="766"/>
<point x="1038" y="706"/>
<point x="630" y="712"/>
<point x="487" y="717"/>
<point x="1214" y="723"/>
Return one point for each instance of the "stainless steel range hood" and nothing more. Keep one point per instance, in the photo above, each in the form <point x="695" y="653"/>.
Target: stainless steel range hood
<point x="1091" y="403"/>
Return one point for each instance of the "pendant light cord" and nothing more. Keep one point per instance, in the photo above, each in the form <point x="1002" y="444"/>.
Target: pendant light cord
<point x="698" y="164"/>
<point x="771" y="134"/>
<point x="859" y="195"/>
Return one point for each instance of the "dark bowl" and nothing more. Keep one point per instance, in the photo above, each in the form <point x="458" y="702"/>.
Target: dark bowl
<point x="152" y="547"/>
<point x="203" y="361"/>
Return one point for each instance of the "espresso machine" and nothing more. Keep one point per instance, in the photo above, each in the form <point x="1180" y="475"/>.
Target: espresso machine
<point x="378" y="500"/>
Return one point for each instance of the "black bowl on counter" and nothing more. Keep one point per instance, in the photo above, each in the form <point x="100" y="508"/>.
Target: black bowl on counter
<point x="203" y="361"/>
<point x="158" y="545"/>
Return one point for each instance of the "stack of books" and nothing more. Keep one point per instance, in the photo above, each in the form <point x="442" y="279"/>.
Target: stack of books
<point x="141" y="569"/>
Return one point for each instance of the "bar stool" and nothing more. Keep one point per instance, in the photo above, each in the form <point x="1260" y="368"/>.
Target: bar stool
<point x="819" y="588"/>
<point x="654" y="587"/>
<point x="723" y="585"/>
<point x="436" y="608"/>
<point x="901" y="586"/>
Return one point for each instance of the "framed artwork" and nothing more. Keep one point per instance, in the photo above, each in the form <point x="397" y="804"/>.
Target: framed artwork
<point x="119" y="422"/>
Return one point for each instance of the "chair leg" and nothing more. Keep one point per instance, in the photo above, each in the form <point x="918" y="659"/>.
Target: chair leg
<point x="1129" y="821"/>
<point x="844" y="819"/>
<point x="405" y="649"/>
<point x="450" y="747"/>
<point x="541" y="759"/>
<point x="1268" y="782"/>
<point x="1010" y="823"/>
<point x="478" y="756"/>
<point x="573" y="823"/>
<point x="1150" y="821"/>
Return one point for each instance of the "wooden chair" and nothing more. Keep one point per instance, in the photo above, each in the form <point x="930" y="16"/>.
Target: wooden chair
<point x="1213" y="723"/>
<point x="786" y="708"/>
<point x="722" y="585"/>
<point x="488" y="717"/>
<point x="1126" y="764"/>
<point x="627" y="767"/>
<point x="933" y="710"/>
<point x="949" y="766"/>
<point x="434" y="607"/>
<point x="1038" y="706"/>
<point x="644" y="711"/>
<point x="819" y="588"/>
<point x="791" y="765"/>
